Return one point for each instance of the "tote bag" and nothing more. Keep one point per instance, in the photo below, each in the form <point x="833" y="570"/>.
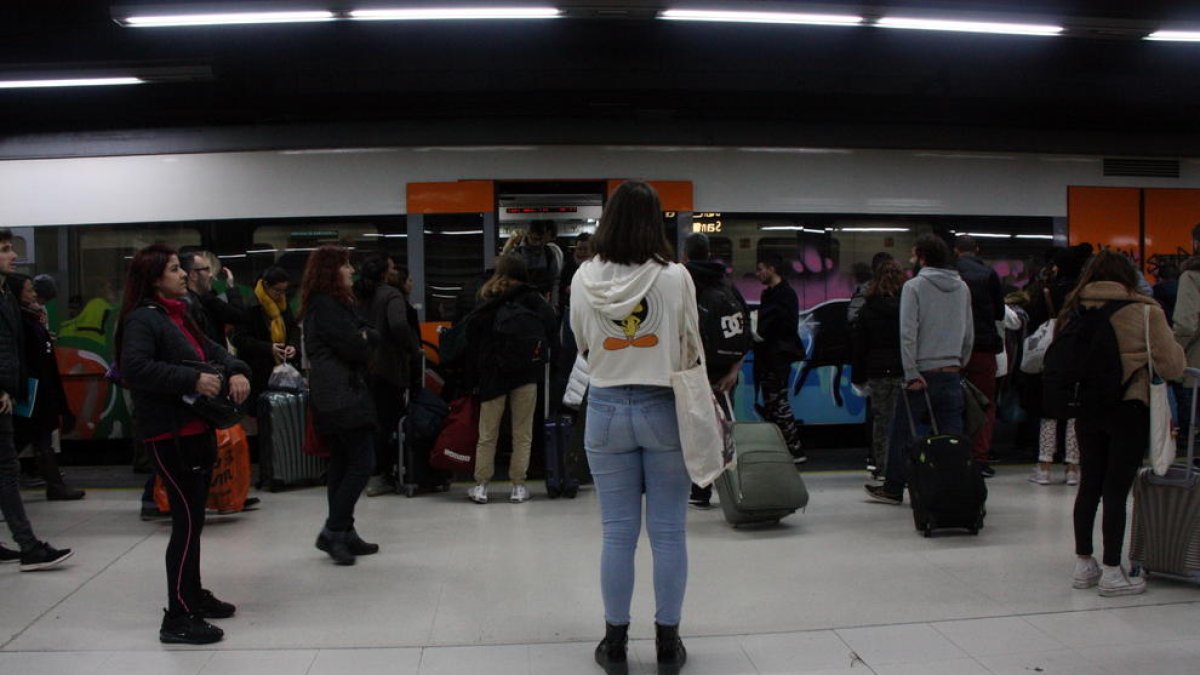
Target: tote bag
<point x="705" y="431"/>
<point x="1162" y="443"/>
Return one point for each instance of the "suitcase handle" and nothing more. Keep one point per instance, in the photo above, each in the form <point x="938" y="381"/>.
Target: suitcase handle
<point x="912" y="423"/>
<point x="1194" y="375"/>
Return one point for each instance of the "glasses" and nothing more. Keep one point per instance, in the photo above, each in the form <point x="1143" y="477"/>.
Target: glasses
<point x="201" y="269"/>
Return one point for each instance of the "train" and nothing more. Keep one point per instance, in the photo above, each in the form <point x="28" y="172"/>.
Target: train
<point x="446" y="211"/>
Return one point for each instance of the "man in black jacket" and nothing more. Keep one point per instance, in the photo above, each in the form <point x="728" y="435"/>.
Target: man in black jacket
<point x="34" y="554"/>
<point x="987" y="307"/>
<point x="211" y="313"/>
<point x="778" y="347"/>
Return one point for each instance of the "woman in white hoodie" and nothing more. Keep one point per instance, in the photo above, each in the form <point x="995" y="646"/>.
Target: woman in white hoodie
<point x="629" y="307"/>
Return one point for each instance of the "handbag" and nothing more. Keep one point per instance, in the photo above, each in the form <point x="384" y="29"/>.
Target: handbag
<point x="219" y="411"/>
<point x="705" y="431"/>
<point x="1162" y="443"/>
<point x="1033" y="358"/>
<point x="314" y="443"/>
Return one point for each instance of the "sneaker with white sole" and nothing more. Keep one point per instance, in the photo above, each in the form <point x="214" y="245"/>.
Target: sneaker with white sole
<point x="520" y="494"/>
<point x="43" y="556"/>
<point x="1114" y="582"/>
<point x="1087" y="573"/>
<point x="478" y="494"/>
<point x="1072" y="474"/>
<point x="1039" y="476"/>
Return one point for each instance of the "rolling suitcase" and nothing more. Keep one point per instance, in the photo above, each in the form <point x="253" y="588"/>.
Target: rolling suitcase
<point x="282" y="461"/>
<point x="1165" y="537"/>
<point x="945" y="486"/>
<point x="762" y="485"/>
<point x="413" y="471"/>
<point x="558" y="436"/>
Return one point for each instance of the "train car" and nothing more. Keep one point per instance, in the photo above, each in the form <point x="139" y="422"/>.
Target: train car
<point x="447" y="211"/>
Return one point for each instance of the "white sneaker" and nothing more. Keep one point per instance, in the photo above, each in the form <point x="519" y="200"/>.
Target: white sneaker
<point x="1114" y="582"/>
<point x="1072" y="474"/>
<point x="520" y="494"/>
<point x="478" y="494"/>
<point x="1039" y="476"/>
<point x="1087" y="573"/>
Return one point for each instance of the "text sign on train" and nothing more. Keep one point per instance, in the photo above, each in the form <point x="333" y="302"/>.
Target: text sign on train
<point x="541" y="209"/>
<point x="708" y="223"/>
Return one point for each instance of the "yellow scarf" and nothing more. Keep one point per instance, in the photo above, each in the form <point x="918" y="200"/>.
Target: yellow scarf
<point x="274" y="311"/>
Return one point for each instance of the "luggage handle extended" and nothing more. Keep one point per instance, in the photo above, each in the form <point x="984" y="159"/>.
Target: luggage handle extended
<point x="912" y="423"/>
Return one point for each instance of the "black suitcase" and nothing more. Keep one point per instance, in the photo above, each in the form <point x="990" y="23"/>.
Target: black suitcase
<point x="945" y="486"/>
<point x="423" y="414"/>
<point x="558" y="434"/>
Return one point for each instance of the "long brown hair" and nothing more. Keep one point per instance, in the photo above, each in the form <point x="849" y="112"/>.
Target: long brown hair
<point x="1107" y="265"/>
<point x="887" y="281"/>
<point x="323" y="274"/>
<point x="510" y="271"/>
<point x="148" y="266"/>
<point x="631" y="231"/>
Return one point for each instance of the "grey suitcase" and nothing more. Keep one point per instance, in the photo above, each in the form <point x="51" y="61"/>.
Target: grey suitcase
<point x="1165" y="538"/>
<point x="762" y="485"/>
<point x="281" y="458"/>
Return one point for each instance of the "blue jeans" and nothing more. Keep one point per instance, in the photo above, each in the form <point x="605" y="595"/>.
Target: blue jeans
<point x="946" y="397"/>
<point x="632" y="443"/>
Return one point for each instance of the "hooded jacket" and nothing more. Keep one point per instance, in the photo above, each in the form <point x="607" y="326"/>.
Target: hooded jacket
<point x="706" y="274"/>
<point x="629" y="320"/>
<point x="936" y="329"/>
<point x="987" y="302"/>
<point x="1129" y="323"/>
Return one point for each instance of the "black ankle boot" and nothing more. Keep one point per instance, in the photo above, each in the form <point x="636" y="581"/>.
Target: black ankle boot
<point x="610" y="653"/>
<point x="671" y="654"/>
<point x="188" y="629"/>
<point x="335" y="544"/>
<point x="359" y="547"/>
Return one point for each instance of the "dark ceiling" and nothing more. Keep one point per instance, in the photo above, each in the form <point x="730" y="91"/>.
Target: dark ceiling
<point x="608" y="76"/>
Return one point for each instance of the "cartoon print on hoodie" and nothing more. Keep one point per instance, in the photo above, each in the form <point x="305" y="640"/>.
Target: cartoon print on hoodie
<point x="644" y="317"/>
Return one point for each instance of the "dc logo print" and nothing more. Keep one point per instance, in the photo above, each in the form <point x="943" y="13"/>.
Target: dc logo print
<point x="731" y="326"/>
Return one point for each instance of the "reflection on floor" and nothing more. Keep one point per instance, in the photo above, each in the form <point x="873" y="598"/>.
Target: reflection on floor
<point x="847" y="587"/>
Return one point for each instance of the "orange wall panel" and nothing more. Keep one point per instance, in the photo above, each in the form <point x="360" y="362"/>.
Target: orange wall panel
<point x="464" y="196"/>
<point x="1170" y="216"/>
<point x="1105" y="218"/>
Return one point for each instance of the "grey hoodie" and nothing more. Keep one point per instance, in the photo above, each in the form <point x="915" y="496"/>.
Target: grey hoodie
<point x="936" y="328"/>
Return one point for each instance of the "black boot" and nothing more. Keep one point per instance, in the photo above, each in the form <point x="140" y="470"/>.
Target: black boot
<point x="188" y="629"/>
<point x="56" y="489"/>
<point x="334" y="543"/>
<point x="610" y="653"/>
<point x="671" y="654"/>
<point x="359" y="547"/>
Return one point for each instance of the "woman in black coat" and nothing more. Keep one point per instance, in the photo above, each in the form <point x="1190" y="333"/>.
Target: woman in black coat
<point x="338" y="343"/>
<point x="270" y="335"/>
<point x="50" y="403"/>
<point x="875" y="364"/>
<point x="160" y="355"/>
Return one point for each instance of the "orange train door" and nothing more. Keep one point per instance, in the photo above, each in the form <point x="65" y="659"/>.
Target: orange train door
<point x="1151" y="225"/>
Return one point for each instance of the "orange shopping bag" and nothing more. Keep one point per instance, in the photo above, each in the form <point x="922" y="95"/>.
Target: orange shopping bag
<point x="230" y="475"/>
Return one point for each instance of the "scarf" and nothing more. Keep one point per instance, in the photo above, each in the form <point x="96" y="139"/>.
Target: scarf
<point x="274" y="311"/>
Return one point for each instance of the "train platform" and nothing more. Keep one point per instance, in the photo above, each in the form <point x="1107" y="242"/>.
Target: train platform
<point x="847" y="587"/>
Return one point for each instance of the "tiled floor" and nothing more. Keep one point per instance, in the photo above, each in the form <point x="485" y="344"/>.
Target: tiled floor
<point x="846" y="587"/>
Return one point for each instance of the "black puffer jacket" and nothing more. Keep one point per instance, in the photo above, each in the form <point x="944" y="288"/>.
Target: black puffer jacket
<point x="12" y="346"/>
<point x="481" y="342"/>
<point x="876" y="340"/>
<point x="50" y="403"/>
<point x="338" y="344"/>
<point x="987" y="302"/>
<point x="153" y="350"/>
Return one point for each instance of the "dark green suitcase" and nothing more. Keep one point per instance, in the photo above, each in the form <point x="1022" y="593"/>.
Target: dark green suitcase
<point x="762" y="485"/>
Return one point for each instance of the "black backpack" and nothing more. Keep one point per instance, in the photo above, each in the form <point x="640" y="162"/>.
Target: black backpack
<point x="541" y="265"/>
<point x="519" y="338"/>
<point x="724" y="326"/>
<point x="1083" y="375"/>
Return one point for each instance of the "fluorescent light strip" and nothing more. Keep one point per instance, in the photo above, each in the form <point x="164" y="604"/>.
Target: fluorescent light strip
<point x="1035" y="236"/>
<point x="968" y="26"/>
<point x="987" y="235"/>
<point x="1174" y="36"/>
<point x="792" y="18"/>
<point x="873" y="229"/>
<point x="455" y="13"/>
<point x="790" y="228"/>
<point x="70" y="82"/>
<point x="227" y="19"/>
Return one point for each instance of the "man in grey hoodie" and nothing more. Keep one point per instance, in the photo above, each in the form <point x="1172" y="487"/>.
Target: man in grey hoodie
<point x="936" y="339"/>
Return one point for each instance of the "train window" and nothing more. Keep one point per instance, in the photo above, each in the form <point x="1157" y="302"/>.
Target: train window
<point x="104" y="253"/>
<point x="453" y="264"/>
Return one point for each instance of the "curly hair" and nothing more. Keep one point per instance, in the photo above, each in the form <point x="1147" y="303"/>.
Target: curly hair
<point x="323" y="275"/>
<point x="887" y="280"/>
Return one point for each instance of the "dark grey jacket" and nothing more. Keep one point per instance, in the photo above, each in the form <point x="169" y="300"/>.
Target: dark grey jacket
<point x="338" y="342"/>
<point x="12" y="371"/>
<point x="153" y="350"/>
<point x="393" y="356"/>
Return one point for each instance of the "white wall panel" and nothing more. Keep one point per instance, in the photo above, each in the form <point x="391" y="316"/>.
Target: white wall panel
<point x="372" y="181"/>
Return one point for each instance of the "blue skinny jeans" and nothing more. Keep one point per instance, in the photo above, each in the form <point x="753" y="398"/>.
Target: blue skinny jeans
<point x="632" y="443"/>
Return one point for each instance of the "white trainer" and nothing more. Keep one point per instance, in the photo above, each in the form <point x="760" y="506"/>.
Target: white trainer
<point x="1087" y="572"/>
<point x="478" y="494"/>
<point x="520" y="494"/>
<point x="1072" y="474"/>
<point x="1114" y="582"/>
<point x="1039" y="476"/>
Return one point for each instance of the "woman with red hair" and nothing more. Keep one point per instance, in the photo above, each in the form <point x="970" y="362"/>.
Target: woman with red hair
<point x="338" y="343"/>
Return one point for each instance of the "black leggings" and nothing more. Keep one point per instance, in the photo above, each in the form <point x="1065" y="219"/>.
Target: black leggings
<point x="1110" y="453"/>
<point x="351" y="459"/>
<point x="185" y="465"/>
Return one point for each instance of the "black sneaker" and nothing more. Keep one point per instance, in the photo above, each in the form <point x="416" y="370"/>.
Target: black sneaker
<point x="702" y="504"/>
<point x="7" y="555"/>
<point x="799" y="458"/>
<point x="42" y="556"/>
<point x="188" y="629"/>
<point x="213" y="608"/>
<point x="986" y="470"/>
<point x="879" y="494"/>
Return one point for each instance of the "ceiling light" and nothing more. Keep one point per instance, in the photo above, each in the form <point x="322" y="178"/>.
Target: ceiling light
<point x="1175" y="36"/>
<point x="1035" y="236"/>
<point x="70" y="82"/>
<point x="969" y="26"/>
<point x="760" y="17"/>
<point x="872" y="229"/>
<point x="223" y="19"/>
<point x="987" y="235"/>
<point x="454" y="13"/>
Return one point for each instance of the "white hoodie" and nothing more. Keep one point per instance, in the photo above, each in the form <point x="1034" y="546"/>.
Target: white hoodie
<point x="629" y="320"/>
